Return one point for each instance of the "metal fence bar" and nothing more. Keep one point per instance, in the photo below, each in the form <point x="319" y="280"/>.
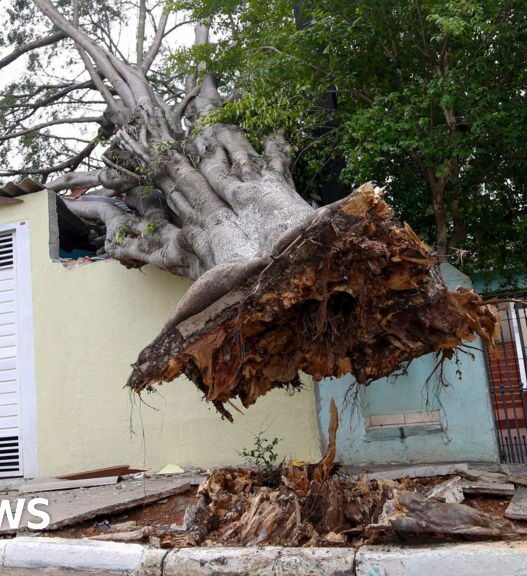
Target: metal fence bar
<point x="522" y="337"/>
<point x="509" y="362"/>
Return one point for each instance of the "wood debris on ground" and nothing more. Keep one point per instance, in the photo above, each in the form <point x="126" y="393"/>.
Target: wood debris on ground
<point x="313" y="505"/>
<point x="301" y="504"/>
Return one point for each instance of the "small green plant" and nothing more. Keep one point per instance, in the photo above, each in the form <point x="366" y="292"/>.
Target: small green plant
<point x="122" y="232"/>
<point x="163" y="145"/>
<point x="150" y="228"/>
<point x="263" y="454"/>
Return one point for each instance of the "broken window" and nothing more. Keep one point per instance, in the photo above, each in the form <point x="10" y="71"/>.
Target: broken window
<point x="76" y="239"/>
<point x="70" y="237"/>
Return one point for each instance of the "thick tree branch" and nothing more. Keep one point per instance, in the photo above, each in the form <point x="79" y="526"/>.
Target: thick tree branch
<point x="107" y="177"/>
<point x="56" y="122"/>
<point x="136" y="241"/>
<point x="34" y="45"/>
<point x="140" y="39"/>
<point x="156" y="44"/>
<point x="96" y="79"/>
<point x="74" y="180"/>
<point x="459" y="232"/>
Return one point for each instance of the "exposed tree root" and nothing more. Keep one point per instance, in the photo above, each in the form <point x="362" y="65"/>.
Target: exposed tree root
<point x="237" y="511"/>
<point x="310" y="505"/>
<point x="352" y="291"/>
<point x="305" y="509"/>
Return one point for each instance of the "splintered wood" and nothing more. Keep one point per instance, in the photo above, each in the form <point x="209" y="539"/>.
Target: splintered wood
<point x="303" y="509"/>
<point x="354" y="291"/>
<point x="311" y="505"/>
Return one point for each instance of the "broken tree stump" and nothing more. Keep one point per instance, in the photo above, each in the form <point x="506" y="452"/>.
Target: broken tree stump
<point x="352" y="290"/>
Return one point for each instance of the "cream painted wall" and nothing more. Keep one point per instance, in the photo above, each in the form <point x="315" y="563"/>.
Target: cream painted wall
<point x="90" y="321"/>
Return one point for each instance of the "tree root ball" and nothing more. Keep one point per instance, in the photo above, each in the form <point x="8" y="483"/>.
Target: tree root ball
<point x="354" y="291"/>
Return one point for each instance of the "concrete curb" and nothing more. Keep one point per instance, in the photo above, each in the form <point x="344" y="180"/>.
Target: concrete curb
<point x="41" y="552"/>
<point x="490" y="559"/>
<point x="478" y="559"/>
<point x="263" y="561"/>
<point x="37" y="552"/>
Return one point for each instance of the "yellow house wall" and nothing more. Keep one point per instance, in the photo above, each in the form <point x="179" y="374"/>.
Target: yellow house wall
<point x="90" y="321"/>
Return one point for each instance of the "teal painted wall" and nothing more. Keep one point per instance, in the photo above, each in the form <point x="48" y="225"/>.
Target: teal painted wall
<point x="466" y="428"/>
<point x="485" y="283"/>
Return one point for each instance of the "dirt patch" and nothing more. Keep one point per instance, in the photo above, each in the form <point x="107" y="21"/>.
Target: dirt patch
<point x="159" y="515"/>
<point x="491" y="505"/>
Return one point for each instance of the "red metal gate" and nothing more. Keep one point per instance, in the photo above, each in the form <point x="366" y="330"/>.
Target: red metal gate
<point x="507" y="368"/>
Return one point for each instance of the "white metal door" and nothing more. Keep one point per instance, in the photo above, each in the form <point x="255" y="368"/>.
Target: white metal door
<point x="11" y="461"/>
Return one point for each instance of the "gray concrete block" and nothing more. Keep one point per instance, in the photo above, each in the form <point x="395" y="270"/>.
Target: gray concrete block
<point x="152" y="563"/>
<point x="418" y="471"/>
<point x="35" y="552"/>
<point x="479" y="559"/>
<point x="260" y="561"/>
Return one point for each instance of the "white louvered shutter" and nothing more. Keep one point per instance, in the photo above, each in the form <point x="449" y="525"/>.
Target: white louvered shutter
<point x="10" y="405"/>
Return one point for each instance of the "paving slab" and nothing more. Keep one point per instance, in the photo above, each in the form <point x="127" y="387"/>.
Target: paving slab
<point x="51" y="484"/>
<point x="410" y="471"/>
<point x="517" y="509"/>
<point x="481" y="559"/>
<point x="485" y="476"/>
<point x="515" y="478"/>
<point x="489" y="488"/>
<point x="69" y="507"/>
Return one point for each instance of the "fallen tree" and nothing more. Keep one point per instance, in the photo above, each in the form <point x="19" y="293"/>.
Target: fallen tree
<point x="281" y="287"/>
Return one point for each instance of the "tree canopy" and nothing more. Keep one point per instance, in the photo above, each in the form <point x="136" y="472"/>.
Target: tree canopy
<point x="425" y="96"/>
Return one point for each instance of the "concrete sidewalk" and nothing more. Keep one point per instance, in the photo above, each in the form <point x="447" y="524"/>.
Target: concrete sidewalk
<point x="52" y="572"/>
<point x="476" y="559"/>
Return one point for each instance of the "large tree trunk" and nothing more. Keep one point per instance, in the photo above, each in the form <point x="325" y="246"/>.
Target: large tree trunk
<point x="280" y="287"/>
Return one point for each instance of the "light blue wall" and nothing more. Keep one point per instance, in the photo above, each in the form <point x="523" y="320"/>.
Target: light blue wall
<point x="486" y="283"/>
<point x="467" y="428"/>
